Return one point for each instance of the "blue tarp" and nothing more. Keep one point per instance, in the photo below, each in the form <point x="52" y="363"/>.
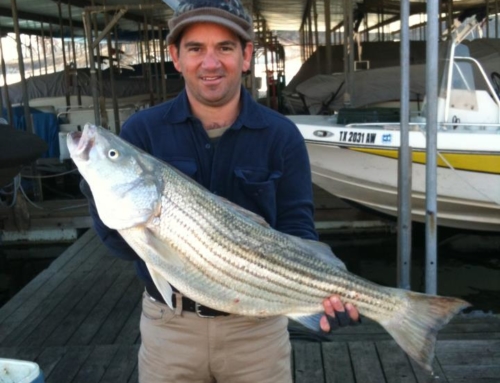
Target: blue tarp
<point x="45" y="126"/>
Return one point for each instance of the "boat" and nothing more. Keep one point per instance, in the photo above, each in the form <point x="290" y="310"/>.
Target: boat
<point x="68" y="94"/>
<point x="17" y="149"/>
<point x="380" y="84"/>
<point x="354" y="153"/>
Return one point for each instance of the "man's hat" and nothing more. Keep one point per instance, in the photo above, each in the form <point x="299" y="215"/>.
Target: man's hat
<point x="228" y="13"/>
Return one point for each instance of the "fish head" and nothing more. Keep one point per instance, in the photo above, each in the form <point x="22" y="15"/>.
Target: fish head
<point x="121" y="177"/>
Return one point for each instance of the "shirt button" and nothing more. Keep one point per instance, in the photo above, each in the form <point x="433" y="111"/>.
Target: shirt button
<point x="207" y="146"/>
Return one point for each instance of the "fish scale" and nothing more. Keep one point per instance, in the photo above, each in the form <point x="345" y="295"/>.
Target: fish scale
<point x="197" y="216"/>
<point x="228" y="258"/>
<point x="324" y="280"/>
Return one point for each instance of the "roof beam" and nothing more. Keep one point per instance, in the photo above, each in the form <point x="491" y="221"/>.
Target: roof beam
<point x="305" y="14"/>
<point x="85" y="3"/>
<point x="4" y="31"/>
<point x="7" y="12"/>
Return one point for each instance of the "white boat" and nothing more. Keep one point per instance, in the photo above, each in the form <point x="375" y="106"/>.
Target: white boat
<point x="358" y="161"/>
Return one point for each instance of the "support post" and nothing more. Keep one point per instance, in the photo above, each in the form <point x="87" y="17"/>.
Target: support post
<point x="328" y="37"/>
<point x="116" y="113"/>
<point x="37" y="186"/>
<point x="404" y="158"/>
<point x="52" y="48"/>
<point x="8" y="104"/>
<point x="26" y="104"/>
<point x="431" y="148"/>
<point x="163" y="82"/>
<point x="93" y="74"/>
<point x="44" y="49"/>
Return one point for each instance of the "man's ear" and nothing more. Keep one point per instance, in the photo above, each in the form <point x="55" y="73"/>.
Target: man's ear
<point x="174" y="53"/>
<point x="247" y="56"/>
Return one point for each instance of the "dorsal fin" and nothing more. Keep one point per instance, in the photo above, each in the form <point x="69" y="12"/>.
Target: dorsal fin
<point x="324" y="252"/>
<point x="247" y="213"/>
<point x="321" y="251"/>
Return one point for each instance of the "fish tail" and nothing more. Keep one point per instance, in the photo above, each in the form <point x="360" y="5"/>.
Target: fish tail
<point x="416" y="328"/>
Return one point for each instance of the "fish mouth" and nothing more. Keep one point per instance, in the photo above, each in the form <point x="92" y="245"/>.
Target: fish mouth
<point x="80" y="143"/>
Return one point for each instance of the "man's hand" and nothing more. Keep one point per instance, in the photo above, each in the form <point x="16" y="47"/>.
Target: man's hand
<point x="337" y="314"/>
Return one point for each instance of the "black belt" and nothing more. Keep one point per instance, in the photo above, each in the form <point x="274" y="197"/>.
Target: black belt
<point x="188" y="305"/>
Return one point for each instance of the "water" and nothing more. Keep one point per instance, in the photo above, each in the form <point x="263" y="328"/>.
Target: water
<point x="468" y="264"/>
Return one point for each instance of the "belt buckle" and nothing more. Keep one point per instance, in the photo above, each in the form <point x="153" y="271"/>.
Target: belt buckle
<point x="198" y="308"/>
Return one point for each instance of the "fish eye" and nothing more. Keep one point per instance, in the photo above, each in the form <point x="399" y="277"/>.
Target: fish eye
<point x="113" y="154"/>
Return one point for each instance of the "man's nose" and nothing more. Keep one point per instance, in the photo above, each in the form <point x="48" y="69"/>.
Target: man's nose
<point x="211" y="60"/>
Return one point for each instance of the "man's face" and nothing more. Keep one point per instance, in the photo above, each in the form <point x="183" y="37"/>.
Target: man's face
<point x="211" y="60"/>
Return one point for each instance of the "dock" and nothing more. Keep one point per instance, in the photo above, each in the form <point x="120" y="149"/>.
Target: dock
<point x="79" y="320"/>
<point x="61" y="220"/>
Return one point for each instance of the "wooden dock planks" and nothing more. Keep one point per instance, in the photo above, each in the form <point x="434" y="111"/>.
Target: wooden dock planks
<point x="79" y="320"/>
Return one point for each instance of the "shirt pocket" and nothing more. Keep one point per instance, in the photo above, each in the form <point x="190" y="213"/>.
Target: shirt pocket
<point x="259" y="188"/>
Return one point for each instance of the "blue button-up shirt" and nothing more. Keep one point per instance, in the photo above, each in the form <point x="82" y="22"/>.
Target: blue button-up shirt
<point x="259" y="163"/>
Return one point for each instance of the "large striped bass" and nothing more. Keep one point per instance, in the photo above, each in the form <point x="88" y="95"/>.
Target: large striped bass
<point x="230" y="259"/>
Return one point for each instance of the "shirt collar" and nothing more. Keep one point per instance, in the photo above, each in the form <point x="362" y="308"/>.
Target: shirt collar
<point x="251" y="115"/>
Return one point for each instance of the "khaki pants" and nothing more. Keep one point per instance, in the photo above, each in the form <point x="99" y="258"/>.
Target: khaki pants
<point x="180" y="347"/>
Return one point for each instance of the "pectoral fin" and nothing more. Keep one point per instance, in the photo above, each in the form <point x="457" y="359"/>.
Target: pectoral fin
<point x="151" y="249"/>
<point x="157" y="255"/>
<point x="162" y="285"/>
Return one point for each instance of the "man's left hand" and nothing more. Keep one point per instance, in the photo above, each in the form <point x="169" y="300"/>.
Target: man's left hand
<point x="337" y="314"/>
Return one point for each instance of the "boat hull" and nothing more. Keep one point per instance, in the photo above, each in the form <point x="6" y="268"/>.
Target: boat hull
<point x="371" y="181"/>
<point x="468" y="181"/>
<point x="17" y="149"/>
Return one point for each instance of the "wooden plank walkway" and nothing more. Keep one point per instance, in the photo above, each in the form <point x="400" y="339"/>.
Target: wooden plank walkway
<point x="79" y="320"/>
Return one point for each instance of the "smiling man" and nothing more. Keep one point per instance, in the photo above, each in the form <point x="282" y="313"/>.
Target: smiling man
<point x="212" y="67"/>
<point x="215" y="133"/>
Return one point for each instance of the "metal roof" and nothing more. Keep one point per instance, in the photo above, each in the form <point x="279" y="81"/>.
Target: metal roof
<point x="280" y="15"/>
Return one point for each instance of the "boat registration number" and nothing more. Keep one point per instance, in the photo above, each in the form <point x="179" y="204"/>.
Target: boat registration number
<point x="357" y="137"/>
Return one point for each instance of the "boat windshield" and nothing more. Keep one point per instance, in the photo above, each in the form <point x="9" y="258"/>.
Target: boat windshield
<point x="465" y="73"/>
<point x="466" y="93"/>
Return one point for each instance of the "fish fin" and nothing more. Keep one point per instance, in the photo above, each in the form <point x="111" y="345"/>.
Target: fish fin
<point x="321" y="251"/>
<point x="309" y="321"/>
<point x="145" y="242"/>
<point x="163" y="250"/>
<point x="162" y="285"/>
<point x="325" y="252"/>
<point x="248" y="214"/>
<point x="153" y="251"/>
<point x="416" y="328"/>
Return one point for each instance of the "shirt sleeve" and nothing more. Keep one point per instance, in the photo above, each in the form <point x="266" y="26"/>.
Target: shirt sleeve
<point x="295" y="207"/>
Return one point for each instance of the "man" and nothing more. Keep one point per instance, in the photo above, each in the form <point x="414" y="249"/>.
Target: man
<point x="217" y="134"/>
